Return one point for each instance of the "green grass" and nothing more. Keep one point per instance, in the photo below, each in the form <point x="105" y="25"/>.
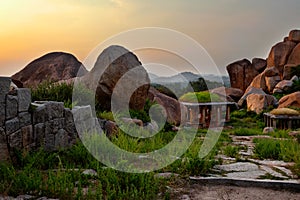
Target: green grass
<point x="106" y="115"/>
<point x="59" y="175"/>
<point x="201" y="97"/>
<point x="231" y="151"/>
<point x="246" y="132"/>
<point x="286" y="150"/>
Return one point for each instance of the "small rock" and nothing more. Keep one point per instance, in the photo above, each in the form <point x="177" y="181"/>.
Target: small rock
<point x="165" y="175"/>
<point x="25" y="196"/>
<point x="238" y="167"/>
<point x="268" y="130"/>
<point x="247" y="174"/>
<point x="272" y="172"/>
<point x="90" y="172"/>
<point x="185" y="197"/>
<point x="294" y="78"/>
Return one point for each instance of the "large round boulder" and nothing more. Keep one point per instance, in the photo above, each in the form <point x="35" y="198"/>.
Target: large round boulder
<point x="250" y="90"/>
<point x="294" y="36"/>
<point x="259" y="64"/>
<point x="116" y="64"/>
<point x="174" y="110"/>
<point x="294" y="58"/>
<point x="241" y="74"/>
<point x="291" y="70"/>
<point x="283" y="86"/>
<point x="267" y="80"/>
<point x="51" y="67"/>
<point x="279" y="55"/>
<point x="259" y="102"/>
<point x="291" y="100"/>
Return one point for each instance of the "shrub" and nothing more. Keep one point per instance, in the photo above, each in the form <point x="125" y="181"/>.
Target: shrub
<point x="48" y="91"/>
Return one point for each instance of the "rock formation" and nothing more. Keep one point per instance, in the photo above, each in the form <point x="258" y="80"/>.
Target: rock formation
<point x="241" y="73"/>
<point x="232" y="94"/>
<point x="114" y="63"/>
<point x="54" y="67"/>
<point x="259" y="102"/>
<point x="291" y="100"/>
<point x="172" y="106"/>
<point x="279" y="55"/>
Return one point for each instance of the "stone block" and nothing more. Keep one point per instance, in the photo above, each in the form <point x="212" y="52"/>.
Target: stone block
<point x="55" y="109"/>
<point x="11" y="106"/>
<point x="4" y="87"/>
<point x="27" y="135"/>
<point x="39" y="133"/>
<point x="24" y="98"/>
<point x="52" y="127"/>
<point x="49" y="142"/>
<point x="4" y="153"/>
<point x="61" y="139"/>
<point x="69" y="124"/>
<point x="46" y="111"/>
<point x="2" y="113"/>
<point x="25" y="119"/>
<point x="12" y="125"/>
<point x="39" y="114"/>
<point x="15" y="140"/>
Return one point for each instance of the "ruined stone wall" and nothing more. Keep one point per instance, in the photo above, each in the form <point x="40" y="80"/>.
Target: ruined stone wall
<point x="27" y="125"/>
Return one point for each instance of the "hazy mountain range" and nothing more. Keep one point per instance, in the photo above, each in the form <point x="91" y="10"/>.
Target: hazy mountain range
<point x="188" y="77"/>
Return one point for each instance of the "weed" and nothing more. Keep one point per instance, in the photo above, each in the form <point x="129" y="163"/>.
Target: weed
<point x="231" y="151"/>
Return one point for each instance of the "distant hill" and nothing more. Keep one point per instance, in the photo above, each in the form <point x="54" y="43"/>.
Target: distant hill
<point x="188" y="77"/>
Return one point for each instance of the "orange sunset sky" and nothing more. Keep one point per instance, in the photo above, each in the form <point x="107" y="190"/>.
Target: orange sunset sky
<point x="228" y="29"/>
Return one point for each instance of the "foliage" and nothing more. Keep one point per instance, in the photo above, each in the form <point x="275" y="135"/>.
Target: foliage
<point x="48" y="91"/>
<point x="246" y="132"/>
<point x="201" y="97"/>
<point x="246" y="120"/>
<point x="106" y="115"/>
<point x="287" y="150"/>
<point x="59" y="175"/>
<point x="231" y="151"/>
<point x="62" y="92"/>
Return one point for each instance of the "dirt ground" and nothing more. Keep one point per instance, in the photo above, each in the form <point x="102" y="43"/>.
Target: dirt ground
<point x="226" y="192"/>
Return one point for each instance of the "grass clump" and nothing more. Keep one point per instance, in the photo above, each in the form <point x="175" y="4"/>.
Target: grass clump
<point x="231" y="151"/>
<point x="49" y="91"/>
<point x="284" y="111"/>
<point x="246" y="132"/>
<point x="287" y="150"/>
<point x="201" y="97"/>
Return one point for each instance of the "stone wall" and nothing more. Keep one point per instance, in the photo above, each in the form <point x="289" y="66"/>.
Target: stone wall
<point x="27" y="125"/>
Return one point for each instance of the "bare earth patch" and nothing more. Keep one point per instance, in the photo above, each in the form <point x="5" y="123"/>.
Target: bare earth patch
<point x="210" y="192"/>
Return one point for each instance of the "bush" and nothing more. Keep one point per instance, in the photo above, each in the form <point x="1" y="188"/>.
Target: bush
<point x="202" y="97"/>
<point x="47" y="91"/>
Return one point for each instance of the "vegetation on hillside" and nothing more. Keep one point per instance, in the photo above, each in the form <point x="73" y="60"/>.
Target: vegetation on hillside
<point x="201" y="97"/>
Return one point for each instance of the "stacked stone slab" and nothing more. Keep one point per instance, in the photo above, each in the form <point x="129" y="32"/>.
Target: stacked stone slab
<point x="4" y="88"/>
<point x="53" y="125"/>
<point x="26" y="125"/>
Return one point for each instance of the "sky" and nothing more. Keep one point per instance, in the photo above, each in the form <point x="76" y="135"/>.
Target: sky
<point x="229" y="30"/>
